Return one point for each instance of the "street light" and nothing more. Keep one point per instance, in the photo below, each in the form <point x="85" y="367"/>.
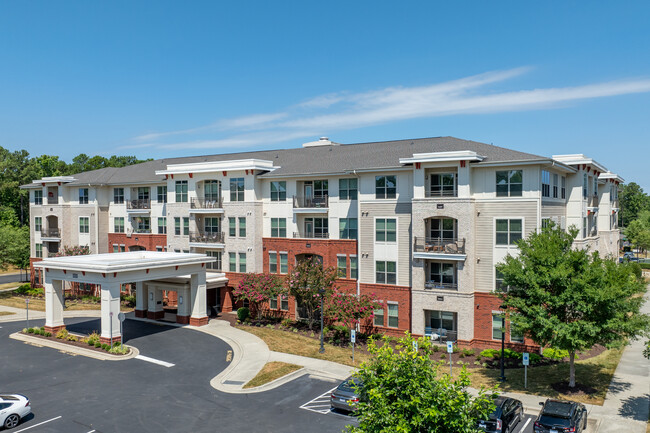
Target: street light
<point x="503" y="346"/>
<point x="321" y="292"/>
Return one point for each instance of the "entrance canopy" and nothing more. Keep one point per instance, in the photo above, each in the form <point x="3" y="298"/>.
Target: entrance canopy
<point x="112" y="270"/>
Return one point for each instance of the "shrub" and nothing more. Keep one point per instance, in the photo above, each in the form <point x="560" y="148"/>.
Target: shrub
<point x="93" y="339"/>
<point x="243" y="313"/>
<point x="496" y="354"/>
<point x="435" y="348"/>
<point x="129" y="300"/>
<point x="30" y="330"/>
<point x="106" y="346"/>
<point x="462" y="355"/>
<point x="443" y="355"/>
<point x="468" y="352"/>
<point x="118" y="350"/>
<point x="71" y="337"/>
<point x="62" y="334"/>
<point x="535" y="358"/>
<point x="24" y="330"/>
<point x="47" y="334"/>
<point x="477" y="362"/>
<point x="98" y="343"/>
<point x="27" y="290"/>
<point x="295" y="329"/>
<point x="556" y="354"/>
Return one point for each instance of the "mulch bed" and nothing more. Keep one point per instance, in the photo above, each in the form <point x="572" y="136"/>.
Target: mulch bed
<point x="72" y="343"/>
<point x="578" y="390"/>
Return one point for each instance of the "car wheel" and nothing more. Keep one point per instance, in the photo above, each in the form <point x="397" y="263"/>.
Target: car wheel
<point x="12" y="421"/>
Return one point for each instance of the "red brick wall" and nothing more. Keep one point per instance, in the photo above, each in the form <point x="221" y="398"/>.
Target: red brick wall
<point x="33" y="271"/>
<point x="485" y="303"/>
<point x="147" y="241"/>
<point x="326" y="248"/>
<point x="385" y="293"/>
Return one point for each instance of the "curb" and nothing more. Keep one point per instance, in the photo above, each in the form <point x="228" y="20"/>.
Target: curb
<point x="73" y="350"/>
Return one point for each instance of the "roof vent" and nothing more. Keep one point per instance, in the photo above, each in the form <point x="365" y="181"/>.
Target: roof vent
<point x="323" y="141"/>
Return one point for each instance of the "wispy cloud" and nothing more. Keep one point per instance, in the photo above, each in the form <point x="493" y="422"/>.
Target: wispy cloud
<point x="333" y="112"/>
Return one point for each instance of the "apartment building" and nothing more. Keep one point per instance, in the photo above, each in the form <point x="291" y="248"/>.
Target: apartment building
<point x="419" y="223"/>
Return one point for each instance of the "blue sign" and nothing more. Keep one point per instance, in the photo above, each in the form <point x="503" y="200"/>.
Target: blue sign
<point x="353" y="336"/>
<point x="526" y="358"/>
<point x="450" y="347"/>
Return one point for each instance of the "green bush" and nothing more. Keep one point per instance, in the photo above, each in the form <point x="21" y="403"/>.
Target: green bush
<point x="129" y="300"/>
<point x="106" y="346"/>
<point x="118" y="349"/>
<point x="30" y="330"/>
<point x="286" y="322"/>
<point x="62" y="334"/>
<point x="243" y="313"/>
<point x="93" y="339"/>
<point x="98" y="344"/>
<point x="47" y="334"/>
<point x="556" y="354"/>
<point x="435" y="348"/>
<point x="496" y="354"/>
<point x="468" y="352"/>
<point x="535" y="358"/>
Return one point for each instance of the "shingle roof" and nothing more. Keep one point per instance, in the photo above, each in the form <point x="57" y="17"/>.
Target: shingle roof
<point x="312" y="160"/>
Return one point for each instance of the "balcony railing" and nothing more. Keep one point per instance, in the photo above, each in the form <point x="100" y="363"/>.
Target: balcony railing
<point x="439" y="245"/>
<point x="440" y="334"/>
<point x="143" y="203"/>
<point x="592" y="201"/>
<point x="202" y="203"/>
<point x="310" y="202"/>
<point x="207" y="237"/>
<point x="51" y="233"/>
<point x="142" y="230"/>
<point x="319" y="235"/>
<point x="441" y="193"/>
<point x="438" y="285"/>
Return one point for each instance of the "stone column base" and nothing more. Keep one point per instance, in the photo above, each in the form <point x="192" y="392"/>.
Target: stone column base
<point x="199" y="321"/>
<point x="54" y="329"/>
<point x="183" y="320"/>
<point x="141" y="313"/>
<point x="155" y="315"/>
<point x="107" y="340"/>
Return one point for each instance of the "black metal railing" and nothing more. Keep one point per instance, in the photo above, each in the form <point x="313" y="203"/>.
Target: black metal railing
<point x="310" y="202"/>
<point x="319" y="235"/>
<point x="207" y="237"/>
<point x="206" y="203"/>
<point x="143" y="203"/>
<point x="440" y="192"/>
<point x="54" y="232"/>
<point x="439" y="285"/>
<point x="439" y="245"/>
<point x="440" y="334"/>
<point x="142" y="230"/>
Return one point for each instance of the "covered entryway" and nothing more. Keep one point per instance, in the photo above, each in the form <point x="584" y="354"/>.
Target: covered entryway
<point x="112" y="270"/>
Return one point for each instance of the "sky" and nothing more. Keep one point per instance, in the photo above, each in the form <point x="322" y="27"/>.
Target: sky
<point x="178" y="78"/>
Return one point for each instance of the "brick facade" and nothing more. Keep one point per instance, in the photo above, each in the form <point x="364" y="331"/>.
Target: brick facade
<point x="147" y="241"/>
<point x="389" y="294"/>
<point x="35" y="274"/>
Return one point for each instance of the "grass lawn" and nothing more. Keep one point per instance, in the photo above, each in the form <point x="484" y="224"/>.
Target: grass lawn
<point x="295" y="344"/>
<point x="9" y="285"/>
<point x="270" y="372"/>
<point x="38" y="304"/>
<point x="5" y="313"/>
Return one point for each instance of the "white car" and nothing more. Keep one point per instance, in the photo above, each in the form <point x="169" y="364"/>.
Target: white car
<point x="13" y="408"/>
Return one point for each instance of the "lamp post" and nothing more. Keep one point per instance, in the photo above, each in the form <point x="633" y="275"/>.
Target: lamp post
<point x="321" y="292"/>
<point x="503" y="346"/>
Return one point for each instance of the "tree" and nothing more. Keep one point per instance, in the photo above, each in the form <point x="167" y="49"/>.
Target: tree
<point x="14" y="246"/>
<point x="638" y="231"/>
<point x="258" y="289"/>
<point x="403" y="392"/>
<point x="632" y="200"/>
<point x="569" y="298"/>
<point x="350" y="309"/>
<point x="77" y="250"/>
<point x="304" y="282"/>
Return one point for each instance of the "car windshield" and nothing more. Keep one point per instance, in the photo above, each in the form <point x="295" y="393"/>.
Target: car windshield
<point x="349" y="385"/>
<point x="555" y="421"/>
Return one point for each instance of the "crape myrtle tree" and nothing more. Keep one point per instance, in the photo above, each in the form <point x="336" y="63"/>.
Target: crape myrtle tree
<point x="304" y="281"/>
<point x="257" y="289"/>
<point x="350" y="309"/>
<point x="570" y="298"/>
<point x="403" y="391"/>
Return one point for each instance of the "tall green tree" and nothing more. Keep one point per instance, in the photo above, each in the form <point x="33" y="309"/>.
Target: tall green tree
<point x="570" y="298"/>
<point x="638" y="231"/>
<point x="304" y="282"/>
<point x="632" y="200"/>
<point x="403" y="392"/>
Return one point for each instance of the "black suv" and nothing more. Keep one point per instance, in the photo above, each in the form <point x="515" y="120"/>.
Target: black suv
<point x="558" y="416"/>
<point x="505" y="417"/>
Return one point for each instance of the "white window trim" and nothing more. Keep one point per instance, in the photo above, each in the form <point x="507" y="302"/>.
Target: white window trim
<point x="387" y="316"/>
<point x="374" y="232"/>
<point x="79" y="225"/>
<point x="375" y="272"/>
<point x="494" y="231"/>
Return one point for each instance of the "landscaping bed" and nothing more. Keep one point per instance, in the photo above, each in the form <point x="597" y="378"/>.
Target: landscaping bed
<point x="270" y="372"/>
<point x="17" y="298"/>
<point x="91" y="342"/>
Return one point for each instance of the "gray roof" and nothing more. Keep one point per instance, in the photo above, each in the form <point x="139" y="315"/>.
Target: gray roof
<point x="312" y="160"/>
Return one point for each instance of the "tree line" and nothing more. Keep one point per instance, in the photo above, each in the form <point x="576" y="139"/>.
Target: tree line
<point x="634" y="215"/>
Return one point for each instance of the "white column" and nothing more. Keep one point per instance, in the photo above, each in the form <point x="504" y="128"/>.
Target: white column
<point x="198" y="297"/>
<point x="184" y="302"/>
<point x="141" y="299"/>
<point x="155" y="302"/>
<point x="110" y="304"/>
<point x="53" y="303"/>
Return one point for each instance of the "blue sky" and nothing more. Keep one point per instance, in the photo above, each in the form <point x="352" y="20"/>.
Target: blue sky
<point x="160" y="78"/>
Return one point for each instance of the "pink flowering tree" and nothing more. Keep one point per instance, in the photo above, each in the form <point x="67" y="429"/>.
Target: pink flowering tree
<point x="305" y="279"/>
<point x="350" y="309"/>
<point x="78" y="250"/>
<point x="257" y="289"/>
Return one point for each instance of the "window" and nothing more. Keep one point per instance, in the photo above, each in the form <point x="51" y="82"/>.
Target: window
<point x="278" y="227"/>
<point x="84" y="225"/>
<point x="595" y="186"/>
<point x="442" y="320"/>
<point x="273" y="262"/>
<point x="443" y="228"/>
<point x="177" y="226"/>
<point x="347" y="228"/>
<point x="232" y="227"/>
<point x="393" y="315"/>
<point x="162" y="225"/>
<point x="546" y="183"/>
<point x="122" y="248"/>
<point x="38" y="224"/>
<point x="284" y="303"/>
<point x="39" y="250"/>
<point x="116" y="248"/>
<point x="284" y="263"/>
<point x="232" y="262"/>
<point x="212" y="192"/>
<point x="386" y="230"/>
<point x="348" y="189"/>
<point x="516" y="334"/>
<point x="317" y="228"/>
<point x="211" y="225"/>
<point x="584" y="227"/>
<point x="320" y="188"/>
<point x="443" y="185"/>
<point x="38" y="197"/>
<point x="242" y="227"/>
<point x="215" y="266"/>
<point x="181" y="191"/>
<point x="563" y="188"/>
<point x="379" y="317"/>
<point x="509" y="183"/>
<point x="118" y="224"/>
<point x="161" y="195"/>
<point x="499" y="285"/>
<point x="186" y="226"/>
<point x="118" y="195"/>
<point x="143" y="193"/>
<point x="497" y="328"/>
<point x="508" y="232"/>
<point x="237" y="189"/>
<point x="278" y="191"/>
<point x="585" y="185"/>
<point x="83" y="195"/>
<point x="159" y="248"/>
<point x="342" y="266"/>
<point x="354" y="268"/>
<point x="142" y="224"/>
<point x="546" y="222"/>
<point x="273" y="303"/>
<point x="242" y="262"/>
<point x="386" y="272"/>
<point x="442" y="275"/>
<point x="555" y="185"/>
<point x="385" y="186"/>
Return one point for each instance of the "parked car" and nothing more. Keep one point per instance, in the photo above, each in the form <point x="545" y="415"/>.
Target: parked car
<point x="13" y="408"/>
<point x="505" y="417"/>
<point x="346" y="394"/>
<point x="628" y="257"/>
<point x="558" y="416"/>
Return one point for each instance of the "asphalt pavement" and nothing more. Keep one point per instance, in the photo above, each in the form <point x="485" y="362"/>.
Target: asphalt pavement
<point x="11" y="278"/>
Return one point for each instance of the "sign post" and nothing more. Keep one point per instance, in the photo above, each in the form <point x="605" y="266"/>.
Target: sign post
<point x="450" y="350"/>
<point x="526" y="360"/>
<point x="353" y="339"/>
<point x="121" y="317"/>
<point x="27" y="306"/>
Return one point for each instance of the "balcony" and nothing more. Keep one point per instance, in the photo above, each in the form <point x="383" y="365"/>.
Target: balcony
<point x="138" y="206"/>
<point x="441" y="193"/>
<point x="320" y="235"/>
<point x="51" y="234"/>
<point x="142" y="230"/>
<point x="202" y="205"/>
<point x="439" y="248"/>
<point x="212" y="238"/>
<point x="440" y="285"/>
<point x="310" y="204"/>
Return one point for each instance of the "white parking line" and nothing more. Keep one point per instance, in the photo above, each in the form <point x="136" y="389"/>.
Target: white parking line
<point x="36" y="425"/>
<point x="521" y="430"/>
<point x="91" y="431"/>
<point x="155" y="361"/>
<point x="320" y="404"/>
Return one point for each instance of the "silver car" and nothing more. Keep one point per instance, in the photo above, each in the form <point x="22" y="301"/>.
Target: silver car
<point x="346" y="395"/>
<point x="13" y="408"/>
